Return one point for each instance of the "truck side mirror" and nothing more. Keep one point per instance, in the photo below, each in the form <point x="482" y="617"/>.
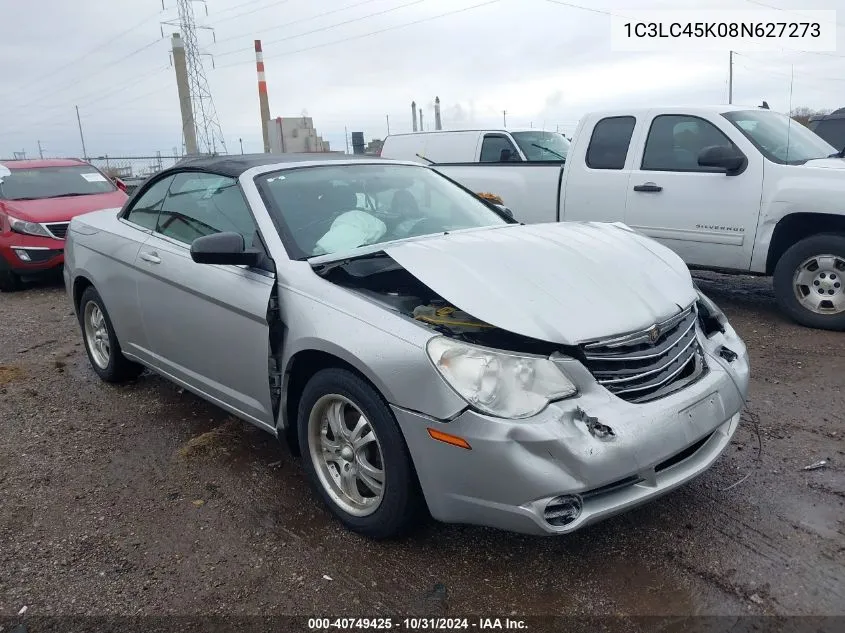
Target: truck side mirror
<point x="723" y="157"/>
<point x="508" y="156"/>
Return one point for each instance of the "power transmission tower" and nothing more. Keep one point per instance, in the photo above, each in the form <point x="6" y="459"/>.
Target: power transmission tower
<point x="208" y="131"/>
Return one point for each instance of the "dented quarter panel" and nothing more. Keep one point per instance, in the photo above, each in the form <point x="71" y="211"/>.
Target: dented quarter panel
<point x="561" y="282"/>
<point x="815" y="187"/>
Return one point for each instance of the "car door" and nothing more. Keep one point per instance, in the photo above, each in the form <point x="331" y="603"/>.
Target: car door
<point x="118" y="285"/>
<point x="206" y="324"/>
<point x="707" y="217"/>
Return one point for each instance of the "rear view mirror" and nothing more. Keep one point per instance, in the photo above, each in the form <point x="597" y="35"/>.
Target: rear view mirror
<point x="223" y="248"/>
<point x="723" y="157"/>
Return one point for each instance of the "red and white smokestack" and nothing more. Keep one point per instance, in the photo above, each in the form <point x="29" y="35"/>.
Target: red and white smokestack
<point x="263" y="100"/>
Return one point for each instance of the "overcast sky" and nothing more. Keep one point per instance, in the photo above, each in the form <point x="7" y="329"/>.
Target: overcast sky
<point x="546" y="64"/>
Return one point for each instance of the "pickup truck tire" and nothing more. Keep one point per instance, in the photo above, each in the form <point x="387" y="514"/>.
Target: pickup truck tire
<point x="809" y="282"/>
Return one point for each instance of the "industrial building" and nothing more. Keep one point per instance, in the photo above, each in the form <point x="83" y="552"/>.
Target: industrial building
<point x="290" y="135"/>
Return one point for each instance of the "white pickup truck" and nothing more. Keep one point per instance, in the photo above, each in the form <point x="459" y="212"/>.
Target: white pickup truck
<point x="727" y="188"/>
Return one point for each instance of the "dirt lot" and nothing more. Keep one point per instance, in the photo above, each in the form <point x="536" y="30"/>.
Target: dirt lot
<point x="142" y="499"/>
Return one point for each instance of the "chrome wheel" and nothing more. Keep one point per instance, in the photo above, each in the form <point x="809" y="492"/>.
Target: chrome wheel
<point x="818" y="284"/>
<point x="346" y="455"/>
<point x="97" y="335"/>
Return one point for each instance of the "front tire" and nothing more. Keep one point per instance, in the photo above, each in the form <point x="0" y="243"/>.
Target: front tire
<point x="809" y="282"/>
<point x="101" y="342"/>
<point x="9" y="281"/>
<point x="355" y="455"/>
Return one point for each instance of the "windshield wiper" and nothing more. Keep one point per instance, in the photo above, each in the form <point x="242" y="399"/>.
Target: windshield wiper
<point x="839" y="154"/>
<point x="550" y="151"/>
<point x="66" y="195"/>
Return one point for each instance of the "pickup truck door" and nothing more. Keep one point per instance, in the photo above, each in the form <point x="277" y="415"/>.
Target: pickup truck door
<point x="705" y="216"/>
<point x="596" y="176"/>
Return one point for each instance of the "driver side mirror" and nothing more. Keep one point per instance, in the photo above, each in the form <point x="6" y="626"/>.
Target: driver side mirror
<point x="508" y="156"/>
<point x="223" y="248"/>
<point x="723" y="157"/>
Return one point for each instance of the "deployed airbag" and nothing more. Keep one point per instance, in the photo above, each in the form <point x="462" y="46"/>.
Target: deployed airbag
<point x="350" y="230"/>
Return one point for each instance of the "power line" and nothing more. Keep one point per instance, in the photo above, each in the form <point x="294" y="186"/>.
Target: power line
<point x="330" y="26"/>
<point x="371" y="33"/>
<point x="238" y="6"/>
<point x="578" y="6"/>
<point x="53" y="91"/>
<point x="251" y="11"/>
<point x="770" y="6"/>
<point x="76" y="60"/>
<point x="801" y="73"/>
<point x="291" y="23"/>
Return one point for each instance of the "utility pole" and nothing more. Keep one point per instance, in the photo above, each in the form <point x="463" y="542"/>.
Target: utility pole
<point x="180" y="65"/>
<point x="241" y="141"/>
<point x="504" y="118"/>
<point x="730" y="77"/>
<point x="387" y="116"/>
<point x="40" y="151"/>
<point x="81" y="135"/>
<point x="346" y="138"/>
<point x="263" y="101"/>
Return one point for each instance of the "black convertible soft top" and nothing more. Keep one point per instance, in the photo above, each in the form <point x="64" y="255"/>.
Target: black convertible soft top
<point x="235" y="164"/>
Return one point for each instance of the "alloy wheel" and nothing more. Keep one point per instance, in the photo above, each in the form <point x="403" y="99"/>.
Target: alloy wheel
<point x="346" y="455"/>
<point x="97" y="335"/>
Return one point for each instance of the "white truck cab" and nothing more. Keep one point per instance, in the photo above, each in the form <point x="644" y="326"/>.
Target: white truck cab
<point x="478" y="146"/>
<point x="726" y="187"/>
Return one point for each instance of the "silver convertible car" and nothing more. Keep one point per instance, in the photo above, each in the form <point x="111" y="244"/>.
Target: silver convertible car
<point x="418" y="347"/>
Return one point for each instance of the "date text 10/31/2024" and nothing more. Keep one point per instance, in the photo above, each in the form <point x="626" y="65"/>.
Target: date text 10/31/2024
<point x="416" y="624"/>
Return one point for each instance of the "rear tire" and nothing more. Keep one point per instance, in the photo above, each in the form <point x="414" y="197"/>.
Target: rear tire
<point x="101" y="342"/>
<point x="809" y="282"/>
<point x="350" y="443"/>
<point x="9" y="281"/>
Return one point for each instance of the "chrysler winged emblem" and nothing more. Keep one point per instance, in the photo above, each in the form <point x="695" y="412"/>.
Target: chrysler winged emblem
<point x="654" y="334"/>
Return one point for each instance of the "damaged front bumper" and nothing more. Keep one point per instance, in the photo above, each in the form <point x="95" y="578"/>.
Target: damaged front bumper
<point x="516" y="470"/>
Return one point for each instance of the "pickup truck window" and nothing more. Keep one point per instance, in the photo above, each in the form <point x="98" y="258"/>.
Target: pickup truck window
<point x="779" y="138"/>
<point x="609" y="142"/>
<point x="542" y="146"/>
<point x="675" y="141"/>
<point x="497" y="149"/>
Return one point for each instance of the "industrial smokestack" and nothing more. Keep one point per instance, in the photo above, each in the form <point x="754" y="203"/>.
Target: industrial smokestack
<point x="263" y="101"/>
<point x="422" y="129"/>
<point x="438" y="125"/>
<point x="414" y="114"/>
<point x="180" y="65"/>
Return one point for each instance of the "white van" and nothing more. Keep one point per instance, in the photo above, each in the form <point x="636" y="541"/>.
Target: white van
<point x="477" y="146"/>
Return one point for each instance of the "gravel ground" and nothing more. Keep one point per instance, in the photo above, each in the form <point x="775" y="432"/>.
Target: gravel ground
<point x="143" y="499"/>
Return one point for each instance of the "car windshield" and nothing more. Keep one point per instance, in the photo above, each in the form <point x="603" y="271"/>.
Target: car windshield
<point x="337" y="208"/>
<point x="542" y="146"/>
<point x="778" y="137"/>
<point x="53" y="182"/>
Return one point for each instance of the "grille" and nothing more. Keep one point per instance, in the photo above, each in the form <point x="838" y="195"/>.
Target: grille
<point x="650" y="364"/>
<point x="58" y="229"/>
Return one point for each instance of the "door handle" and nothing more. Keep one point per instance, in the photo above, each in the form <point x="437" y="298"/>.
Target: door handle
<point x="153" y="257"/>
<point x="648" y="187"/>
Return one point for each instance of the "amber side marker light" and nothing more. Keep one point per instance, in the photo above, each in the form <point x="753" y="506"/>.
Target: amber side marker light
<point x="454" y="440"/>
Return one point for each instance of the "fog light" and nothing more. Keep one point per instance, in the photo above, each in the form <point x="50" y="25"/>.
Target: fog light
<point x="22" y="255"/>
<point x="563" y="510"/>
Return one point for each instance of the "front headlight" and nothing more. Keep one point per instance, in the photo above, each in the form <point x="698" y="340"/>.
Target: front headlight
<point x="500" y="383"/>
<point x="28" y="228"/>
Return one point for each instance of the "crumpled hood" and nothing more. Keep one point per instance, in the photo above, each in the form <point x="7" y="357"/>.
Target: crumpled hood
<point x="826" y="163"/>
<point x="564" y="282"/>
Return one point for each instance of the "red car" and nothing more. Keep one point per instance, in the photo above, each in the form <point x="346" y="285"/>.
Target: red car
<point x="38" y="198"/>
